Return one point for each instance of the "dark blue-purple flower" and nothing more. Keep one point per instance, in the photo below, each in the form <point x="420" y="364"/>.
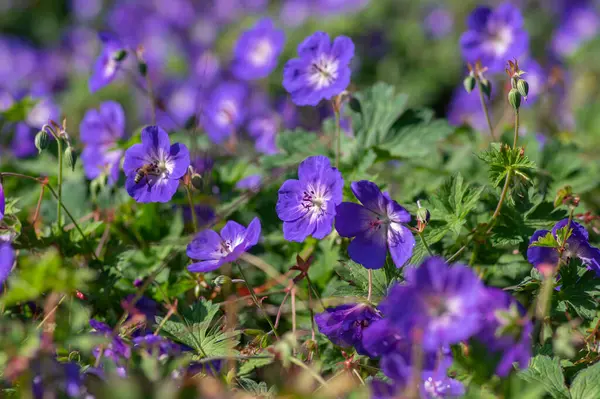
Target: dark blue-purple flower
<point x="322" y="70"/>
<point x="107" y="65"/>
<point x="376" y="225"/>
<point x="505" y="330"/>
<point x="344" y="324"/>
<point x="211" y="250"/>
<point x="257" y="50"/>
<point x="154" y="167"/>
<point x="7" y="259"/>
<point x="440" y="301"/>
<point x="224" y="112"/>
<point x="104" y="125"/>
<point x="580" y="22"/>
<point x="577" y="246"/>
<point x="494" y="36"/>
<point x="307" y="206"/>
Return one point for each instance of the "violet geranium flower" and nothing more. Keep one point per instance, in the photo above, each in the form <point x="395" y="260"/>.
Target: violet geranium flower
<point x="154" y="167"/>
<point x="344" y="324"/>
<point x="494" y="35"/>
<point x="322" y="70"/>
<point x="376" y="225"/>
<point x="443" y="303"/>
<point x="307" y="206"/>
<point x="213" y="250"/>
<point x="107" y="65"/>
<point x="7" y="259"/>
<point x="224" y="112"/>
<point x="257" y="50"/>
<point x="577" y="246"/>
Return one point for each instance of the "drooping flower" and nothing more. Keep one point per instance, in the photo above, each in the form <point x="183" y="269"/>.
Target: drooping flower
<point x="494" y="36"/>
<point x="154" y="167"/>
<point x="307" y="206"/>
<point x="212" y="250"/>
<point x="376" y="225"/>
<point x="7" y="259"/>
<point x="580" y="22"/>
<point x="104" y="125"/>
<point x="257" y="50"/>
<point x="344" y="324"/>
<point x="322" y="70"/>
<point x="443" y="303"/>
<point x="505" y="330"/>
<point x="224" y="112"/>
<point x="108" y="63"/>
<point x="577" y="245"/>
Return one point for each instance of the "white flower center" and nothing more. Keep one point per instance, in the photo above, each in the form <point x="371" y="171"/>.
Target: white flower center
<point x="226" y="114"/>
<point x="323" y="72"/>
<point x="110" y="67"/>
<point x="500" y="41"/>
<point x="261" y="53"/>
<point x="314" y="199"/>
<point x="435" y="389"/>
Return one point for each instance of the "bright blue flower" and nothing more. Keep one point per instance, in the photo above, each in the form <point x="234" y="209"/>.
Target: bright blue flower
<point x="577" y="246"/>
<point x="344" y="324"/>
<point x="213" y="250"/>
<point x="376" y="225"/>
<point x="224" y="112"/>
<point x="106" y="66"/>
<point x="307" y="206"/>
<point x="257" y="50"/>
<point x="494" y="36"/>
<point x="156" y="165"/>
<point x="441" y="302"/>
<point x="322" y="70"/>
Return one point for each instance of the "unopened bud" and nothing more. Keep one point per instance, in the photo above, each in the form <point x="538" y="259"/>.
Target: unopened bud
<point x="71" y="157"/>
<point x="523" y="87"/>
<point x="514" y="98"/>
<point x="469" y="83"/>
<point x="120" y="55"/>
<point x="222" y="280"/>
<point x="486" y="86"/>
<point x="197" y="181"/>
<point x="42" y="140"/>
<point x="143" y="68"/>
<point x="423" y="215"/>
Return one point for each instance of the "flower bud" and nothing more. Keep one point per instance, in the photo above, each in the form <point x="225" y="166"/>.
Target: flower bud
<point x="486" y="86"/>
<point x="143" y="68"/>
<point x="423" y="215"/>
<point x="119" y="55"/>
<point x="197" y="181"/>
<point x="222" y="280"/>
<point x="469" y="83"/>
<point x="42" y="140"/>
<point x="523" y="87"/>
<point x="514" y="98"/>
<point x="71" y="157"/>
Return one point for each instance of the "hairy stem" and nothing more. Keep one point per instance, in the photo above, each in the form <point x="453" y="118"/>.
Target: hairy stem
<point x="60" y="179"/>
<point x="370" y="293"/>
<point x="501" y="200"/>
<point x="516" y="136"/>
<point x="256" y="302"/>
<point x="429" y="251"/>
<point x="192" y="209"/>
<point x="485" y="109"/>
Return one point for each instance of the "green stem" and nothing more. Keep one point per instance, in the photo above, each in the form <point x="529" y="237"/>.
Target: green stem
<point x="429" y="251"/>
<point x="485" y="109"/>
<point x="502" y="198"/>
<point x="192" y="210"/>
<point x="338" y="138"/>
<point x="255" y="299"/>
<point x="516" y="137"/>
<point x="60" y="180"/>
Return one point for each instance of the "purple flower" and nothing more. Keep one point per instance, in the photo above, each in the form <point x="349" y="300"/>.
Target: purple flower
<point x="153" y="342"/>
<point x="465" y="108"/>
<point x="307" y="206"/>
<point x="505" y="330"/>
<point x="438" y="23"/>
<point x="577" y="246"/>
<point x="104" y="125"/>
<point x="23" y="143"/>
<point x="213" y="250"/>
<point x="257" y="50"/>
<point x="106" y="66"/>
<point x="251" y="183"/>
<point x="2" y="202"/>
<point x="443" y="303"/>
<point x="536" y="77"/>
<point x="579" y="24"/>
<point x="321" y="71"/>
<point x="494" y="36"/>
<point x="264" y="130"/>
<point x="117" y="349"/>
<point x="376" y="225"/>
<point x="344" y="324"/>
<point x="100" y="160"/>
<point x="224" y="112"/>
<point x="436" y="384"/>
<point x="154" y="167"/>
<point x="7" y="259"/>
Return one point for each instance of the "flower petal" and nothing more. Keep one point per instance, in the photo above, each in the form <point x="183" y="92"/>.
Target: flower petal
<point x="181" y="157"/>
<point x="206" y="245"/>
<point x="135" y="157"/>
<point x="289" y="202"/>
<point x="314" y="45"/>
<point x="205" y="266"/>
<point x="351" y="219"/>
<point x="369" y="248"/>
<point x="343" y="49"/>
<point x="298" y="229"/>
<point x="155" y="140"/>
<point x="370" y="196"/>
<point x="7" y="258"/>
<point x="539" y="255"/>
<point x="401" y="243"/>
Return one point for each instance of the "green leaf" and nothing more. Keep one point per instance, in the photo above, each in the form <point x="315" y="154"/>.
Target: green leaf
<point x="249" y="365"/>
<point x="586" y="384"/>
<point x="546" y="241"/>
<point x="195" y="329"/>
<point x="358" y="276"/>
<point x="501" y="158"/>
<point x="546" y="371"/>
<point x="295" y="145"/>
